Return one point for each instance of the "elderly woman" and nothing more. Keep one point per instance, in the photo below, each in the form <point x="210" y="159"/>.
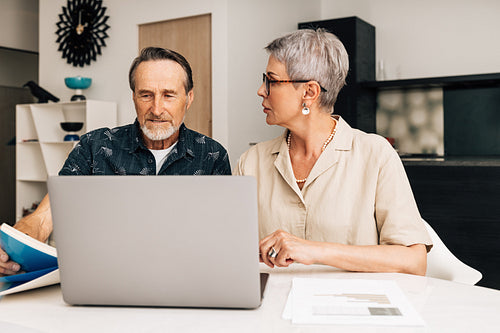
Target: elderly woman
<point x="328" y="194"/>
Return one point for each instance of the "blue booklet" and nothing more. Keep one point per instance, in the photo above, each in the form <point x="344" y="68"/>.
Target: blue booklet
<point x="38" y="261"/>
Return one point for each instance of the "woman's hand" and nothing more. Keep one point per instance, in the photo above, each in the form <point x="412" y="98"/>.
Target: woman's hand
<point x="7" y="267"/>
<point x="288" y="249"/>
<point x="410" y="259"/>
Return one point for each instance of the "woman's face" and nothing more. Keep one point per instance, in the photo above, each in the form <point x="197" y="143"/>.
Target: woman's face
<point x="283" y="103"/>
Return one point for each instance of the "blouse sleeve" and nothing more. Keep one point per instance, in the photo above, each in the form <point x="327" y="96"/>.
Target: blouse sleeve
<point x="396" y="212"/>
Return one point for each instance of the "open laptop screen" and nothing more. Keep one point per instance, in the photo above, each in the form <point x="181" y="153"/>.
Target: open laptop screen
<point x="157" y="240"/>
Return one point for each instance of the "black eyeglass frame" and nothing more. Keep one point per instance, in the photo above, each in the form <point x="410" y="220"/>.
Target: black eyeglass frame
<point x="267" y="83"/>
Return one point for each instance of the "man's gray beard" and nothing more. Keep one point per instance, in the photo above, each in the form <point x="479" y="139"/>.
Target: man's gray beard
<point x="159" y="134"/>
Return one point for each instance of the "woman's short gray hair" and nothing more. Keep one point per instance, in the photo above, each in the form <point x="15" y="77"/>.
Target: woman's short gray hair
<point x="316" y="55"/>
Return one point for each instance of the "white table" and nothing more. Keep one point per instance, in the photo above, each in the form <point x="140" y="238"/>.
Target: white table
<point x="445" y="307"/>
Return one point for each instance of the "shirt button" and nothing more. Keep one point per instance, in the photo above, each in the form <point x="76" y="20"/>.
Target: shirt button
<point x="301" y="204"/>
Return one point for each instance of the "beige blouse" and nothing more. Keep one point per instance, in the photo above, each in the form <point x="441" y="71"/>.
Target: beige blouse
<point x="357" y="193"/>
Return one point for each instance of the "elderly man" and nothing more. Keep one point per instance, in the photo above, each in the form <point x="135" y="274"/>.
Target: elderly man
<point x="157" y="142"/>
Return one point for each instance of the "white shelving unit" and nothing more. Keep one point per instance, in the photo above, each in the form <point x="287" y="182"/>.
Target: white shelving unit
<point x="40" y="147"/>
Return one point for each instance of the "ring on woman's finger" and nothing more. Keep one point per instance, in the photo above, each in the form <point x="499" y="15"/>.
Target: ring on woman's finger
<point x="272" y="253"/>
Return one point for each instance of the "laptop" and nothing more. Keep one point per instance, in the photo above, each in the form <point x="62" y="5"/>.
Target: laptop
<point x="176" y="241"/>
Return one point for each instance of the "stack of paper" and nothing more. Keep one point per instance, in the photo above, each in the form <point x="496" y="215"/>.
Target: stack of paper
<point x="349" y="302"/>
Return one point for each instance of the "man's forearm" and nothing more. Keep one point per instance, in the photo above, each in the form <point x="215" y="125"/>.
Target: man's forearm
<point x="39" y="223"/>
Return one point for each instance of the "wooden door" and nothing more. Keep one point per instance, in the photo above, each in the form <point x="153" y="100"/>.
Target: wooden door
<point x="191" y="37"/>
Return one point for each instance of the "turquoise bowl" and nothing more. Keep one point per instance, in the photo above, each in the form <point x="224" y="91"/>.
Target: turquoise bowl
<point x="78" y="82"/>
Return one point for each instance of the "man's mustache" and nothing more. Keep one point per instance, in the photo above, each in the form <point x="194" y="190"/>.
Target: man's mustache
<point x="160" y="118"/>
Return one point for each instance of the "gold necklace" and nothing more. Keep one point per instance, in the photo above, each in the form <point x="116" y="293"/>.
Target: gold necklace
<point x="327" y="141"/>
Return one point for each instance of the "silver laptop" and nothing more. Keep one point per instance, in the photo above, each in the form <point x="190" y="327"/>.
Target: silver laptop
<point x="180" y="241"/>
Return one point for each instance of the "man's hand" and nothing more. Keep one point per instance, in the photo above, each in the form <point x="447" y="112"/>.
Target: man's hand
<point x="7" y="267"/>
<point x="37" y="225"/>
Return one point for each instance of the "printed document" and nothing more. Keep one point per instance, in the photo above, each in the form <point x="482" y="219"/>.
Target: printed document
<point x="349" y="302"/>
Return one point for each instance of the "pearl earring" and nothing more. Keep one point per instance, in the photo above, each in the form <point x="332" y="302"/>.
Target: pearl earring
<point x="305" y="109"/>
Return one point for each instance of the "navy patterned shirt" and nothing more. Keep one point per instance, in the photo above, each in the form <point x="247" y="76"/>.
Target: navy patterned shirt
<point x="121" y="151"/>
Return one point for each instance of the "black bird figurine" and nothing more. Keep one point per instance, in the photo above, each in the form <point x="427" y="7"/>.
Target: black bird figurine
<point x="43" y="95"/>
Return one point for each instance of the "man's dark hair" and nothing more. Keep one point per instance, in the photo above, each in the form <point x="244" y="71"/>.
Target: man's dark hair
<point x="158" y="53"/>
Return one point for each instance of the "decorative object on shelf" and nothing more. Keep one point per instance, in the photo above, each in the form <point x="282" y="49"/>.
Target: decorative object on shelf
<point x="43" y="95"/>
<point x="28" y="211"/>
<point x="81" y="31"/>
<point x="71" y="128"/>
<point x="381" y="71"/>
<point x="78" y="83"/>
<point x="40" y="150"/>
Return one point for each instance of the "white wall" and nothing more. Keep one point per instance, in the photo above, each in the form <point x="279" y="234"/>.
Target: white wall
<point x="414" y="38"/>
<point x="252" y="25"/>
<point x="19" y="24"/>
<point x="18" y="42"/>
<point x="110" y="72"/>
<point x="429" y="38"/>
<point x="240" y="30"/>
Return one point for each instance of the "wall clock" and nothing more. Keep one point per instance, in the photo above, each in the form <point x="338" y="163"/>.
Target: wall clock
<point x="81" y="31"/>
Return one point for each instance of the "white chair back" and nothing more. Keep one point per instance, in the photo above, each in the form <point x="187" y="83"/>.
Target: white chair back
<point x="442" y="264"/>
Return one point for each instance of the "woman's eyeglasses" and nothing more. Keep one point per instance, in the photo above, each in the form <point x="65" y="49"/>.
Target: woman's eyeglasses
<point x="267" y="83"/>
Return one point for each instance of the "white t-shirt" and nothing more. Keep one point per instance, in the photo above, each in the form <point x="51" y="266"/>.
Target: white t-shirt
<point x="161" y="156"/>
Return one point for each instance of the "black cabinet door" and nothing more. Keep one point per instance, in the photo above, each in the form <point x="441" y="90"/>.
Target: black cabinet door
<point x="355" y="104"/>
<point x="462" y="204"/>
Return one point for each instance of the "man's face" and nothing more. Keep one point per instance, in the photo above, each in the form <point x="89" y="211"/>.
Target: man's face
<point x="160" y="100"/>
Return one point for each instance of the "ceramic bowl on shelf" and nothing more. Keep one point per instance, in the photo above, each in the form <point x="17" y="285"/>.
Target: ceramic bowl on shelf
<point x="78" y="83"/>
<point x="71" y="127"/>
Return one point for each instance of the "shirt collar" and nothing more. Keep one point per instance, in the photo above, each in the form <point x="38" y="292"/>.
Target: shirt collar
<point x="136" y="137"/>
<point x="344" y="136"/>
<point x="342" y="140"/>
<point x="185" y="145"/>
